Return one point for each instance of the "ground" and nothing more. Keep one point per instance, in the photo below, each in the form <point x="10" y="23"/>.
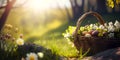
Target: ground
<point x="49" y="34"/>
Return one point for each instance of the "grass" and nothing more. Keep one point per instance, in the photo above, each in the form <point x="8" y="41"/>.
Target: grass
<point x="53" y="39"/>
<point x="50" y="35"/>
<point x="60" y="47"/>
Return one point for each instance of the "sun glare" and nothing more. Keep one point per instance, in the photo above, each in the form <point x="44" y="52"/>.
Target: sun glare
<point x="42" y="5"/>
<point x="37" y="4"/>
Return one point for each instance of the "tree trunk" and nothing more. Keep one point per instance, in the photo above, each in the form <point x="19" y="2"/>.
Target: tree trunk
<point x="101" y="8"/>
<point x="6" y="13"/>
<point x="77" y="10"/>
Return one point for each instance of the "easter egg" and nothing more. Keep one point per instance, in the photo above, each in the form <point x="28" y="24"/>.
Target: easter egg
<point x="87" y="35"/>
<point x="84" y="32"/>
<point x="90" y="32"/>
<point x="95" y="33"/>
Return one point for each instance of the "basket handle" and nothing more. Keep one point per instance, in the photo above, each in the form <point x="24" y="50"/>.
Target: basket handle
<point x="98" y="16"/>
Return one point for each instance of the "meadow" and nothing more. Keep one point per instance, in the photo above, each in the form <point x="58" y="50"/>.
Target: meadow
<point x="45" y="29"/>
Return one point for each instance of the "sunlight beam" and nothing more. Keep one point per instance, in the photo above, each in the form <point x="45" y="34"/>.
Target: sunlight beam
<point x="42" y="5"/>
<point x="38" y="5"/>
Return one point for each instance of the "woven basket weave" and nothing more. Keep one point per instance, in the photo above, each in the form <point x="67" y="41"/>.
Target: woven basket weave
<point x="96" y="44"/>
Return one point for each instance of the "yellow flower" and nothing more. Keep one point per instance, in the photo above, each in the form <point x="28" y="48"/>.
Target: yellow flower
<point x="101" y="31"/>
<point x="40" y="54"/>
<point x="110" y="3"/>
<point x="32" y="56"/>
<point x="20" y="41"/>
<point x="67" y="35"/>
<point x="100" y="34"/>
<point x="82" y="28"/>
<point x="8" y="26"/>
<point x="16" y="30"/>
<point x="117" y="1"/>
<point x="71" y="29"/>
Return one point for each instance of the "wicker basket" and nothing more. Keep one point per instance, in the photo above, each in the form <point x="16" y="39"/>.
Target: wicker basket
<point x="96" y="44"/>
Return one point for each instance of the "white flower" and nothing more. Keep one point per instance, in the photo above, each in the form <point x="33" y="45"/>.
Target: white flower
<point x="20" y="41"/>
<point x="32" y="56"/>
<point x="91" y="25"/>
<point x="67" y="35"/>
<point x="111" y="35"/>
<point x="117" y="24"/>
<point x="106" y="25"/>
<point x="101" y="27"/>
<point x="40" y="54"/>
<point x="110" y="24"/>
<point x="95" y="26"/>
<point x="111" y="28"/>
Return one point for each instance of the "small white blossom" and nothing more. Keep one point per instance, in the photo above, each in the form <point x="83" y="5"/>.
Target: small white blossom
<point x="67" y="35"/>
<point x="95" y="26"/>
<point x="110" y="24"/>
<point x="101" y="27"/>
<point x="111" y="35"/>
<point x="32" y="56"/>
<point x="106" y="25"/>
<point x="91" y="25"/>
<point x="111" y="28"/>
<point x="40" y="54"/>
<point x="117" y="24"/>
<point x="20" y="41"/>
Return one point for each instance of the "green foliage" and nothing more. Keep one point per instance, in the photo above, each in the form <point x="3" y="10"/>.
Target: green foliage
<point x="58" y="46"/>
<point x="69" y="32"/>
<point x="82" y="55"/>
<point x="8" y="46"/>
<point x="12" y="49"/>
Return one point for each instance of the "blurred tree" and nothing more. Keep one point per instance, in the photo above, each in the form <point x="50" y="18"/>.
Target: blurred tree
<point x="66" y="9"/>
<point x="8" y="6"/>
<point x="81" y="6"/>
<point x="77" y="8"/>
<point x="101" y="6"/>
